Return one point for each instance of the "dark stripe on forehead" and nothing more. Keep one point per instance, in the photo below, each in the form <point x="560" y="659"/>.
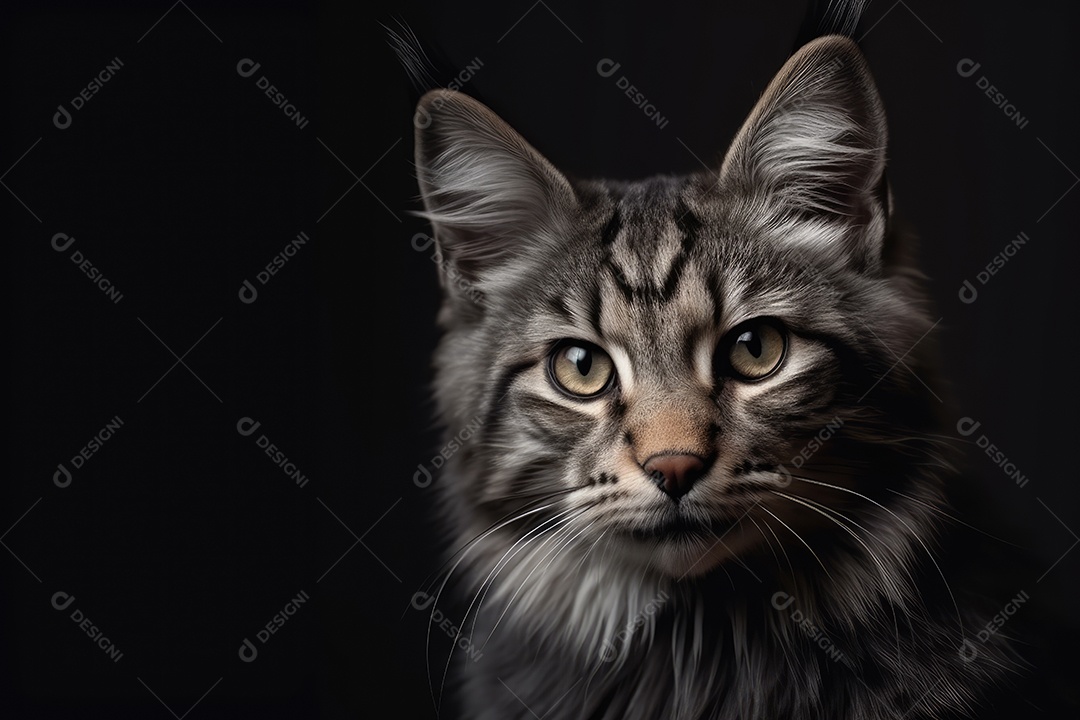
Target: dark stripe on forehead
<point x="687" y="222"/>
<point x="611" y="230"/>
<point x="628" y="290"/>
<point x="559" y="306"/>
<point x="688" y="226"/>
<point x="671" y="282"/>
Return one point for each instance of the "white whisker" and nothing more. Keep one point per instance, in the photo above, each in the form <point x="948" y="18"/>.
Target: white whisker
<point x="800" y="539"/>
<point x="930" y="555"/>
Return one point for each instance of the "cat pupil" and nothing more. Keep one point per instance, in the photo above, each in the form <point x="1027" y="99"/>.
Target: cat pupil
<point x="752" y="343"/>
<point x="581" y="358"/>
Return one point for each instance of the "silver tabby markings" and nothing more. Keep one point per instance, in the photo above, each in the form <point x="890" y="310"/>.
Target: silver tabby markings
<point x="648" y="358"/>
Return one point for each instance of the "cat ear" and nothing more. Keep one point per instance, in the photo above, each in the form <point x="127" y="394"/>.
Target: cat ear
<point x="815" y="142"/>
<point x="488" y="194"/>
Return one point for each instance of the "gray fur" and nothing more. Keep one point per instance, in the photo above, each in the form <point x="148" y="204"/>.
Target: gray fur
<point x="576" y="617"/>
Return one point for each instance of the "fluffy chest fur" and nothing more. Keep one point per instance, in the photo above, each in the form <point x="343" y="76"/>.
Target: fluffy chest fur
<point x="570" y="634"/>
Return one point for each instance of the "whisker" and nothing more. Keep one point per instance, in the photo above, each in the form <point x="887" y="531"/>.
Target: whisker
<point x="800" y="539"/>
<point x="520" y="544"/>
<point x="899" y="595"/>
<point x="953" y="518"/>
<point x="432" y="577"/>
<point x="914" y="534"/>
<point x="557" y="549"/>
<point x="468" y="547"/>
<point x="787" y="558"/>
<point x="555" y="521"/>
<point x="827" y="513"/>
<point x="586" y="554"/>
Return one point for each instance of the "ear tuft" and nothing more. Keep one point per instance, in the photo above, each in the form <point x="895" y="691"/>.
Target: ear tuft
<point x="489" y="195"/>
<point x="815" y="142"/>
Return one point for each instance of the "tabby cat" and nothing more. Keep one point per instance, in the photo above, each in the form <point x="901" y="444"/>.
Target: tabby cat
<point x="695" y="485"/>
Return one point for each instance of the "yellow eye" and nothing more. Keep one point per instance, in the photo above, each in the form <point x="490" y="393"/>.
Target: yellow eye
<point x="581" y="369"/>
<point x="755" y="349"/>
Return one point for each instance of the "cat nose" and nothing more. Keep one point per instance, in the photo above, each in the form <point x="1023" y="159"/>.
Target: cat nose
<point x="675" y="474"/>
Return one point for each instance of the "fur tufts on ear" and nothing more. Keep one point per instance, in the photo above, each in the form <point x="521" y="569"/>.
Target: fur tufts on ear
<point x="488" y="194"/>
<point x="815" y="145"/>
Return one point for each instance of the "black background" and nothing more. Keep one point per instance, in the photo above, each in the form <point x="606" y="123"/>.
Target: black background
<point x="180" y="179"/>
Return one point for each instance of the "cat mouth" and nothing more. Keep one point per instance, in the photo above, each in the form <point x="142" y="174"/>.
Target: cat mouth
<point x="676" y="526"/>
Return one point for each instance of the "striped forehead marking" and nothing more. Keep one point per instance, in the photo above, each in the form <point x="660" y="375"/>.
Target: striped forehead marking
<point x="633" y="271"/>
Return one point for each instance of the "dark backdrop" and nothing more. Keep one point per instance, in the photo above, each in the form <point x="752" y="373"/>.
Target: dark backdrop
<point x="179" y="538"/>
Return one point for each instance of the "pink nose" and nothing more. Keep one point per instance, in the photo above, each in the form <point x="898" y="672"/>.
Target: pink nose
<point x="675" y="474"/>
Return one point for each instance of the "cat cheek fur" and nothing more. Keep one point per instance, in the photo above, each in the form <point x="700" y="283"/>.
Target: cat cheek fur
<point x="577" y="566"/>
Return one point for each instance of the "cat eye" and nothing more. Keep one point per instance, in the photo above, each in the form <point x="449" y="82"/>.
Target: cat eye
<point x="580" y="369"/>
<point x="755" y="349"/>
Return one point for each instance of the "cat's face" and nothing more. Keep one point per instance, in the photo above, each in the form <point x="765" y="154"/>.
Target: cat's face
<point x="674" y="370"/>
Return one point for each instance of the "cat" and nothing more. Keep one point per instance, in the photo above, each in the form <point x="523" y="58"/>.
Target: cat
<point x="693" y="488"/>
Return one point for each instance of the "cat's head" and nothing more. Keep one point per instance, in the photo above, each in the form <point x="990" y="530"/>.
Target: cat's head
<point x="686" y="368"/>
